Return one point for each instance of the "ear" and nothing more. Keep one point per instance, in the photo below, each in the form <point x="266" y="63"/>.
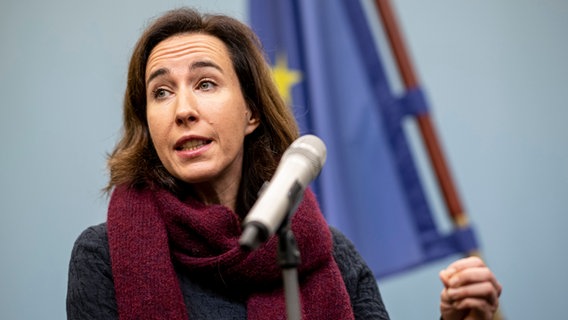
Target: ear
<point x="252" y="122"/>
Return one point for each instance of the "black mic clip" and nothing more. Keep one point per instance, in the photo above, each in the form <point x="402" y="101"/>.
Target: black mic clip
<point x="256" y="233"/>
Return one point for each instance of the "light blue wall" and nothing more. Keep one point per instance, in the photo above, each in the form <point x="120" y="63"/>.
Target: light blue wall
<point x="494" y="72"/>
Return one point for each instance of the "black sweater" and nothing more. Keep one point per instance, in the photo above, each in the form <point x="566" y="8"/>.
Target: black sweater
<point x="90" y="292"/>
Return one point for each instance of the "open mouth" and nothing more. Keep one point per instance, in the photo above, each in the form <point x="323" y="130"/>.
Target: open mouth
<point x="192" y="144"/>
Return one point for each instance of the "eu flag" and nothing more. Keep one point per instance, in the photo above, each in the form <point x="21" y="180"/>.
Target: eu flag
<point x="327" y="67"/>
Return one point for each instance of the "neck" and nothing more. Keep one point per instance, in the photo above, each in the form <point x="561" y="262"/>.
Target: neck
<point x="223" y="195"/>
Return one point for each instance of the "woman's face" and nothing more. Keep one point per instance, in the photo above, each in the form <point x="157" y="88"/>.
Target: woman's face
<point x="196" y="112"/>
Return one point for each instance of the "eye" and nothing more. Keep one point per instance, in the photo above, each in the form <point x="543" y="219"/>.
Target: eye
<point x="160" y="93"/>
<point x="206" y="85"/>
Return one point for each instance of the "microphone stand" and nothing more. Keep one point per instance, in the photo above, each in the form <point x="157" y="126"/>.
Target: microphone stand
<point x="289" y="260"/>
<point x="288" y="253"/>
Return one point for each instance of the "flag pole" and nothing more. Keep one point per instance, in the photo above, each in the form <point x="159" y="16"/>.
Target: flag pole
<point x="425" y="124"/>
<point x="410" y="80"/>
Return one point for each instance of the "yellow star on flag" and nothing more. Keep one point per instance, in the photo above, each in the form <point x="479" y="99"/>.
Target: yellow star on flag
<point x="285" y="78"/>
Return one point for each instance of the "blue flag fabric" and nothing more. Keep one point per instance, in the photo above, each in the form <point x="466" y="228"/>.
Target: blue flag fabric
<point x="328" y="68"/>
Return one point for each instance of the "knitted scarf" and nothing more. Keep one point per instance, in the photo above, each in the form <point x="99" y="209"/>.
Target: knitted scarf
<point x="151" y="230"/>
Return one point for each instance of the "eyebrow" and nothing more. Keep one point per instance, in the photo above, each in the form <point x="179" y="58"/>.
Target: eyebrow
<point x="193" y="66"/>
<point x="205" y="64"/>
<point x="157" y="73"/>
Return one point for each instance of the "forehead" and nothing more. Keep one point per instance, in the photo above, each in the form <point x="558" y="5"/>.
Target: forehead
<point x="187" y="45"/>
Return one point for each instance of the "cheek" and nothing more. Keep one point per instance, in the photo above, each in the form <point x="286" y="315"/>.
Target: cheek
<point x="155" y="128"/>
<point x="152" y="129"/>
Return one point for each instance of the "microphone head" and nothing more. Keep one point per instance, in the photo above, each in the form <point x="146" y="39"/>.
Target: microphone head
<point x="300" y="164"/>
<point x="311" y="148"/>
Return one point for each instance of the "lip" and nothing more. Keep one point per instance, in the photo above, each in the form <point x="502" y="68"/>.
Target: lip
<point x="193" y="152"/>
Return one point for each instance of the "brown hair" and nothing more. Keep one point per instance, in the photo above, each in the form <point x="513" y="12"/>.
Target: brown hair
<point x="134" y="160"/>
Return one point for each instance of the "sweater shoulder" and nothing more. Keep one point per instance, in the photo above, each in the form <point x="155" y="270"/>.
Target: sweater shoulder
<point x="344" y="250"/>
<point x="359" y="280"/>
<point x="96" y="235"/>
<point x="90" y="288"/>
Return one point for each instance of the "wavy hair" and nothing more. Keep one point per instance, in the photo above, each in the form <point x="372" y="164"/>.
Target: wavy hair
<point x="134" y="160"/>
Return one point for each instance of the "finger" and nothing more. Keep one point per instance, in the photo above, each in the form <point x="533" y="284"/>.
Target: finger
<point x="478" y="308"/>
<point x="481" y="290"/>
<point x="447" y="310"/>
<point x="459" y="265"/>
<point x="445" y="276"/>
<point x="445" y="297"/>
<point x="465" y="263"/>
<point x="472" y="276"/>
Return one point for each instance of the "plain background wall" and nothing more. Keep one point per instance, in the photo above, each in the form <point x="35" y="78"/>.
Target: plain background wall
<point x="494" y="72"/>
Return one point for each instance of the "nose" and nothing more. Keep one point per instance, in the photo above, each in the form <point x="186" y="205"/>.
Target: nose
<point x="186" y="110"/>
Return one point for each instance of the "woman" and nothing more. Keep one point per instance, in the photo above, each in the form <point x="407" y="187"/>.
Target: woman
<point x="204" y="127"/>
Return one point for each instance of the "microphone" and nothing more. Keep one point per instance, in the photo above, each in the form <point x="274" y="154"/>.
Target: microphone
<point x="300" y="164"/>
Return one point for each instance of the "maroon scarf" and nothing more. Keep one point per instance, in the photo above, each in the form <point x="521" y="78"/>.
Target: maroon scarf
<point x="150" y="230"/>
